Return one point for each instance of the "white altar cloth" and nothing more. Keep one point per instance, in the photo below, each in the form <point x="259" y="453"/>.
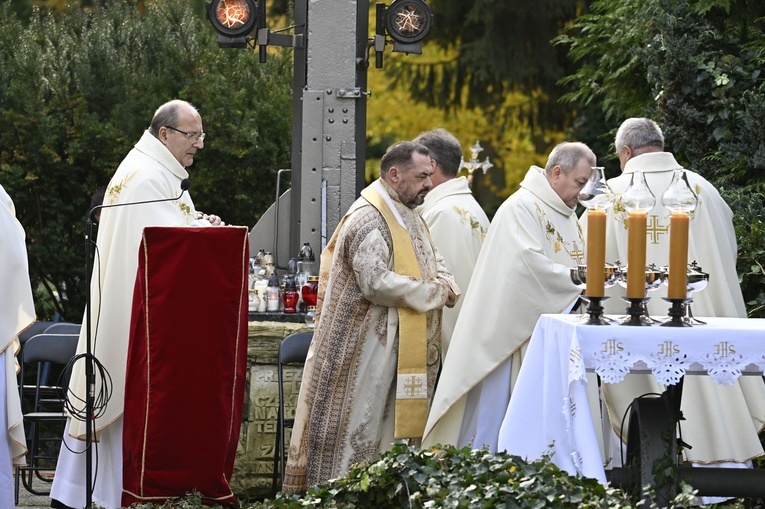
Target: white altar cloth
<point x="549" y="413"/>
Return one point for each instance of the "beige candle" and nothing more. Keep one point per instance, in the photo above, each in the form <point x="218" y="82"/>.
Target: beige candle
<point x="678" y="255"/>
<point x="596" y="253"/>
<point x="636" y="246"/>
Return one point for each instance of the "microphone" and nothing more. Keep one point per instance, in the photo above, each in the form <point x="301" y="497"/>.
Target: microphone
<point x="90" y="358"/>
<point x="185" y="185"/>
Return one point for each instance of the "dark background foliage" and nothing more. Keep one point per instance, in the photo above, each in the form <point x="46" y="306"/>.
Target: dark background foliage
<point x="78" y="89"/>
<point x="491" y="49"/>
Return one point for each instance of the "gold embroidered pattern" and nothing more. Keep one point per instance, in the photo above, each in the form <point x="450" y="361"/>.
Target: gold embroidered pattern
<point x="654" y="229"/>
<point x="556" y="239"/>
<point x="467" y="218"/>
<point x="612" y="347"/>
<point x="114" y="190"/>
<point x="668" y="349"/>
<point x="724" y="349"/>
<point x="185" y="210"/>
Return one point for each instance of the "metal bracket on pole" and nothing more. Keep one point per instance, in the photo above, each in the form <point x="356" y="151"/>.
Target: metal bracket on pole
<point x="349" y="93"/>
<point x="268" y="38"/>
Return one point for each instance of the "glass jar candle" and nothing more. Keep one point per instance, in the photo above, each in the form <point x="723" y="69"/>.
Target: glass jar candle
<point x="290" y="296"/>
<point x="310" y="291"/>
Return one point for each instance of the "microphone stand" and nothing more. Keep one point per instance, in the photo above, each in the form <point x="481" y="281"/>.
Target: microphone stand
<point x="90" y="376"/>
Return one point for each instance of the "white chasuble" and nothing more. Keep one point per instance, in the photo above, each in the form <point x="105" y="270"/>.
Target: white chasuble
<point x="721" y="422"/>
<point x="148" y="172"/>
<point x="345" y="409"/>
<point x="458" y="227"/>
<point x="521" y="273"/>
<point x="17" y="312"/>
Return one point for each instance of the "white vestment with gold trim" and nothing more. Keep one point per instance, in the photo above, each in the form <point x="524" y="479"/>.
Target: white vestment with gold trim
<point x="521" y="273"/>
<point x="458" y="227"/>
<point x="17" y="312"/>
<point x="148" y="172"/>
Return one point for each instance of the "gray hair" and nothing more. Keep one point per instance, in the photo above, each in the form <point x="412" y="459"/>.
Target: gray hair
<point x="400" y="155"/>
<point x="567" y="155"/>
<point x="445" y="149"/>
<point x="637" y="134"/>
<point x="167" y="114"/>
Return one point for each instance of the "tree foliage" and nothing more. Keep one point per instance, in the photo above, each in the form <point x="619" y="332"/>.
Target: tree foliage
<point x="78" y="89"/>
<point x="696" y="68"/>
<point x="489" y="67"/>
<point x="493" y="48"/>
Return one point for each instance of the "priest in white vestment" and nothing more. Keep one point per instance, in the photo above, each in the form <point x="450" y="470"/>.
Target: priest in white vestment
<point x="17" y="312"/>
<point x="522" y="272"/>
<point x="153" y="170"/>
<point x="456" y="221"/>
<point x="354" y="397"/>
<point x="721" y="422"/>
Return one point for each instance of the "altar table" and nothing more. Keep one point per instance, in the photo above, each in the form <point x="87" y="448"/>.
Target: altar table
<point x="549" y="413"/>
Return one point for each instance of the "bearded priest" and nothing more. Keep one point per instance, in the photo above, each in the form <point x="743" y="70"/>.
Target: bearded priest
<point x="374" y="357"/>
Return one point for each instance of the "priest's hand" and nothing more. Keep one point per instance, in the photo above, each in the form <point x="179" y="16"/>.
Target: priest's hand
<point x="212" y="218"/>
<point x="451" y="297"/>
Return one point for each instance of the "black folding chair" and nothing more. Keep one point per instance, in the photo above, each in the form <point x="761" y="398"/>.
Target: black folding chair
<point x="44" y="416"/>
<point x="293" y="350"/>
<point x="64" y="328"/>
<point x="33" y="330"/>
<point x="38" y="328"/>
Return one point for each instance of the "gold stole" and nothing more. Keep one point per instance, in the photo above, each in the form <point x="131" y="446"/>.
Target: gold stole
<point x="412" y="379"/>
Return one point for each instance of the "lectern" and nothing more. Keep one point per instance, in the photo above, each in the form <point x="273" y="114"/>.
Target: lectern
<point x="186" y="364"/>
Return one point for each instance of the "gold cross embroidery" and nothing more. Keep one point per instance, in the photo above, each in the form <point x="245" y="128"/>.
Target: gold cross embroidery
<point x="413" y="385"/>
<point x="577" y="254"/>
<point x="655" y="229"/>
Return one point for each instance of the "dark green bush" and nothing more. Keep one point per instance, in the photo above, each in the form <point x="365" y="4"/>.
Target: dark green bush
<point x="452" y="478"/>
<point x="750" y="232"/>
<point x="78" y="89"/>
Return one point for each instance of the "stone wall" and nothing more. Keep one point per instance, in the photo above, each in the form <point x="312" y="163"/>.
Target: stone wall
<point x="253" y="469"/>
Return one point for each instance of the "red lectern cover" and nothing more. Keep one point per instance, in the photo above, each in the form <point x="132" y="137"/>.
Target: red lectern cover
<point x="186" y="364"/>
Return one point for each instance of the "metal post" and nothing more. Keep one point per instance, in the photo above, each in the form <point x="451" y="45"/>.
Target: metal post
<point x="328" y="123"/>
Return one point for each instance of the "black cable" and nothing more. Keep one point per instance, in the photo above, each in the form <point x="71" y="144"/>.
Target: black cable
<point x="104" y="394"/>
<point x="101" y="397"/>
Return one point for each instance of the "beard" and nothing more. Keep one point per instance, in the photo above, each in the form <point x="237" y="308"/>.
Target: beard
<point x="411" y="195"/>
<point x="416" y="200"/>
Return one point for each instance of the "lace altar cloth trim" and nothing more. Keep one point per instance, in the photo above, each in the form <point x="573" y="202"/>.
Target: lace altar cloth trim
<point x="724" y="348"/>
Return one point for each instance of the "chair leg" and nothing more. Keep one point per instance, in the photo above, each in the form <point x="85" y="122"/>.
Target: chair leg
<point x="277" y="446"/>
<point x="16" y="486"/>
<point x="36" y="464"/>
<point x="281" y="449"/>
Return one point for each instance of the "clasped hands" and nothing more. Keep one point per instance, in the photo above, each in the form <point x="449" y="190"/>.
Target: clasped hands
<point x="451" y="298"/>
<point x="212" y="218"/>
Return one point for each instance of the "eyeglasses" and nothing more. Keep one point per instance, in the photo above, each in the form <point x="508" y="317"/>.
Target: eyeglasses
<point x="189" y="136"/>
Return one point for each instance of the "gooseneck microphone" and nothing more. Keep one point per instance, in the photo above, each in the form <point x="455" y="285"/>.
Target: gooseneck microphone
<point x="90" y="360"/>
<point x="185" y="185"/>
